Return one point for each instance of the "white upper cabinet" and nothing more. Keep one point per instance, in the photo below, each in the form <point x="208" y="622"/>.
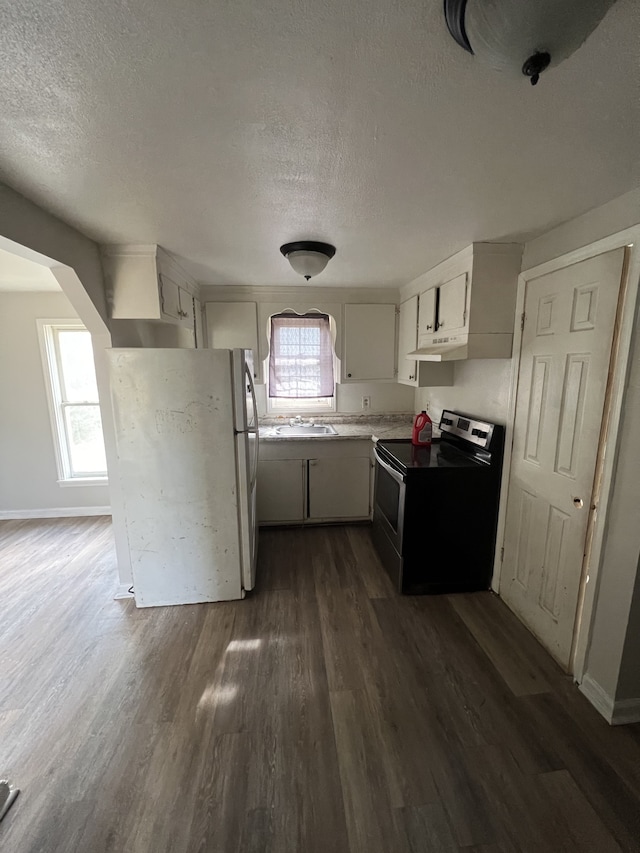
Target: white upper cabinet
<point x="233" y="325"/>
<point x="407" y="339"/>
<point x="410" y="371"/>
<point x="467" y="304"/>
<point x="427" y="312"/>
<point x="146" y="283"/>
<point x="369" y="343"/>
<point x="452" y="304"/>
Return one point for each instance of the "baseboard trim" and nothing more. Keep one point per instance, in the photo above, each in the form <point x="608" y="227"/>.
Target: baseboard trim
<point x="55" y="512"/>
<point x="123" y="591"/>
<point x="626" y="711"/>
<point x="616" y="713"/>
<point x="599" y="698"/>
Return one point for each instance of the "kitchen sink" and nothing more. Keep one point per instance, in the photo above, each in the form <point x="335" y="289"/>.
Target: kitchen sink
<point x="306" y="430"/>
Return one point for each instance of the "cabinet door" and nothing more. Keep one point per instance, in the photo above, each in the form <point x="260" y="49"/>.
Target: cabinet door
<point x="369" y="342"/>
<point x="198" y="324"/>
<point x="281" y="490"/>
<point x="187" y="309"/>
<point x="339" y="488"/>
<point x="452" y="303"/>
<point x="427" y="312"/>
<point x="407" y="340"/>
<point x="233" y="325"/>
<point x="169" y="298"/>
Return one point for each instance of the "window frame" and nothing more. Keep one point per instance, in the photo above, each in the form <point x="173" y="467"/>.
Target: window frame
<point x="302" y="405"/>
<point x="54" y="382"/>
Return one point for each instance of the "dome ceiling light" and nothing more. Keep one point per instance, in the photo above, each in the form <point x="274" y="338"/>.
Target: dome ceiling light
<point x="523" y="36"/>
<point x="308" y="258"/>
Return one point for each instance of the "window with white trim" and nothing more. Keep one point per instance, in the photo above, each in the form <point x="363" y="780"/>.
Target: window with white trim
<point x="73" y="401"/>
<point x="301" y="376"/>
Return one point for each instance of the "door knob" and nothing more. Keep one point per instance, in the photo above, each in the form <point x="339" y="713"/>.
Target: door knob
<point x="578" y="502"/>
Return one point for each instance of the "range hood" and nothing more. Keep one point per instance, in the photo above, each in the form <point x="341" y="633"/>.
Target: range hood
<point x="461" y="347"/>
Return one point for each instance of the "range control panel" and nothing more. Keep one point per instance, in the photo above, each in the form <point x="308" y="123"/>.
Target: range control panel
<point x="477" y="432"/>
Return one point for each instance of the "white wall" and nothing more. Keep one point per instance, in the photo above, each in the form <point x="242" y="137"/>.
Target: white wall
<point x="481" y="388"/>
<point x="27" y="458"/>
<point x="386" y="398"/>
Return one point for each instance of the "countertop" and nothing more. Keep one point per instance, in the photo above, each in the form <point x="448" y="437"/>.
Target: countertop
<point x="356" y="427"/>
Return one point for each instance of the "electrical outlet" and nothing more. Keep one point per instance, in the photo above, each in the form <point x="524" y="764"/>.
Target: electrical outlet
<point x="427" y="406"/>
<point x="366" y="403"/>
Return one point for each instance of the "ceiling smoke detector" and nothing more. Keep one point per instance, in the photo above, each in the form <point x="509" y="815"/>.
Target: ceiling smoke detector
<point x="523" y="36"/>
<point x="307" y="257"/>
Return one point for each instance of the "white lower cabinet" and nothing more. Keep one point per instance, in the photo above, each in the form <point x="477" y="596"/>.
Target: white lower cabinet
<point x="339" y="488"/>
<point x="281" y="485"/>
<point x="310" y="482"/>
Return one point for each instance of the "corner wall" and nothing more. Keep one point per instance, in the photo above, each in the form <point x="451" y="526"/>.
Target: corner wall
<point x="75" y="262"/>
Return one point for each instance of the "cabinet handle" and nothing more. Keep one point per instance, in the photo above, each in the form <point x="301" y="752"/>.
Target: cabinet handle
<point x="439" y="325"/>
<point x="348" y="375"/>
<point x="429" y="327"/>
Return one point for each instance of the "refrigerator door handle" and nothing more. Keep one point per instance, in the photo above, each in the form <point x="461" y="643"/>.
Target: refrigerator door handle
<point x="254" y="473"/>
<point x="253" y="395"/>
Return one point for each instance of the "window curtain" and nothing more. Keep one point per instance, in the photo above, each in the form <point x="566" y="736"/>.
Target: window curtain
<point x="301" y="356"/>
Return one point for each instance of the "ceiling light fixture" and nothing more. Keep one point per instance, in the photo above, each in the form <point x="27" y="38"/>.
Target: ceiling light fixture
<point x="308" y="258"/>
<point x="520" y="35"/>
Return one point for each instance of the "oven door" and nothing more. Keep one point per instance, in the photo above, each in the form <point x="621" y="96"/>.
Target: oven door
<point x="388" y="517"/>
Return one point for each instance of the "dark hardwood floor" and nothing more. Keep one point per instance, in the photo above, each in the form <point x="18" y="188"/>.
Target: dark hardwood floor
<point x="323" y="714"/>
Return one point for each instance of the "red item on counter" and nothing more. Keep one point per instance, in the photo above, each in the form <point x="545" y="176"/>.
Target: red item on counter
<point x="422" y="428"/>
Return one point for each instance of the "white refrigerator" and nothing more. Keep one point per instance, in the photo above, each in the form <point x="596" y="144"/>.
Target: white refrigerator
<point x="187" y="444"/>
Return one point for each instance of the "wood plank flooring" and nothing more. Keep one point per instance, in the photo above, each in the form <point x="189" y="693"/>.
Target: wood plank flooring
<point x="323" y="714"/>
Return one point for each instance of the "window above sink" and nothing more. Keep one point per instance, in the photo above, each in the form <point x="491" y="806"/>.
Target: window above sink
<point x="301" y="363"/>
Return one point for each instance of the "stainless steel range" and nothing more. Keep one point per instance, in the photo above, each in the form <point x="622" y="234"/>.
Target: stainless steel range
<point x="436" y="508"/>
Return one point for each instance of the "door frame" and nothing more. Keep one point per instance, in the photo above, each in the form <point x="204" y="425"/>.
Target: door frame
<point x="607" y="451"/>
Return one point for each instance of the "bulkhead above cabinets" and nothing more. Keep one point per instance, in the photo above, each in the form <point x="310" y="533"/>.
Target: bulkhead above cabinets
<point x="466" y="305"/>
<point x="145" y="283"/>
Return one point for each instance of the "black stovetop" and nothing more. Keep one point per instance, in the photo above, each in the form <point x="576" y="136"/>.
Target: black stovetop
<point x="405" y="456"/>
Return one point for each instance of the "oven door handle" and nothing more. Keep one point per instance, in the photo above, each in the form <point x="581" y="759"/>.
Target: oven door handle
<point x="391" y="471"/>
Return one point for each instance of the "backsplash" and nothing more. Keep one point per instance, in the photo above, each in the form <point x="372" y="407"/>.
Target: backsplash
<point x="386" y="397"/>
<point x="481" y="389"/>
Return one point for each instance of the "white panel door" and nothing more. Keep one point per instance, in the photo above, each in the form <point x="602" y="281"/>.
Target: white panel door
<point x="452" y="303"/>
<point x="407" y="340"/>
<point x="369" y="342"/>
<point x="281" y="490"/>
<point x="339" y="488"/>
<point x="565" y="354"/>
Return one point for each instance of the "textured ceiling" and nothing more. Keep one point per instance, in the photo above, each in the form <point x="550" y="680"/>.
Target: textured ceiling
<point x="19" y="274"/>
<point x="222" y="129"/>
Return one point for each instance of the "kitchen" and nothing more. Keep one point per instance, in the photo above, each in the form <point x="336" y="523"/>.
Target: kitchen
<point x="323" y="708"/>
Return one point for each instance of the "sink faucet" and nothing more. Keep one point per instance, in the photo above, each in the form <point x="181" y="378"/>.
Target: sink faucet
<point x="297" y="421"/>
